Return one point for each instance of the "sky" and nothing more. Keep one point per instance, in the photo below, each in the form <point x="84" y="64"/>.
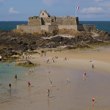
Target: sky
<point x="86" y="10"/>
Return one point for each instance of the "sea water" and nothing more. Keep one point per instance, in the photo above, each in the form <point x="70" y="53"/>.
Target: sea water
<point x="8" y="70"/>
<point x="101" y="25"/>
<point x="7" y="73"/>
<point x="10" y="25"/>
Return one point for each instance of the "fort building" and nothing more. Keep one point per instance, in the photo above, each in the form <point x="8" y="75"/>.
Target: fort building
<point x="47" y="23"/>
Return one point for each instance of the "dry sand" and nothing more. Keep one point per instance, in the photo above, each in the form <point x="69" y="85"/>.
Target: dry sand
<point x="68" y="88"/>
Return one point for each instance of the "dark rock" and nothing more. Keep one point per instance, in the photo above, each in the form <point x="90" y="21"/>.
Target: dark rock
<point x="11" y="43"/>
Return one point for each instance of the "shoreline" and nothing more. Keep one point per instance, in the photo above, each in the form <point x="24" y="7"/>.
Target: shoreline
<point x="64" y="78"/>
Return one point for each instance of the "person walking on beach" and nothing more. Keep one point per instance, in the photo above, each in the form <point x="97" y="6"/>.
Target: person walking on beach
<point x="50" y="81"/>
<point x="93" y="66"/>
<point x="48" y="92"/>
<point x="29" y="83"/>
<point x="53" y="60"/>
<point x="93" y="103"/>
<point x="84" y="76"/>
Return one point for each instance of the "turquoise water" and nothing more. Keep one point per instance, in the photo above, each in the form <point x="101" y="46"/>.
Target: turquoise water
<point x="7" y="74"/>
<point x="9" y="25"/>
<point x="8" y="71"/>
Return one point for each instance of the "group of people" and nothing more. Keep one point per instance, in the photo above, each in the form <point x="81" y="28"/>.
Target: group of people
<point x="16" y="78"/>
<point x="85" y="74"/>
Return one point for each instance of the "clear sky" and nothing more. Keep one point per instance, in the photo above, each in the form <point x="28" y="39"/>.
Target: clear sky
<point x="20" y="10"/>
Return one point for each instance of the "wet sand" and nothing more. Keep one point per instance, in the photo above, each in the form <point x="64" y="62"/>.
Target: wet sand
<point x="69" y="89"/>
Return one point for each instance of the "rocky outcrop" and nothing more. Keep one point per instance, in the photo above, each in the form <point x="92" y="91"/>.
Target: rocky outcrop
<point x="26" y="63"/>
<point x="13" y="43"/>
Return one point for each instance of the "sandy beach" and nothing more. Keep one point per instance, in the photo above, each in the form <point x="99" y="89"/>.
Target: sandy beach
<point x="59" y="83"/>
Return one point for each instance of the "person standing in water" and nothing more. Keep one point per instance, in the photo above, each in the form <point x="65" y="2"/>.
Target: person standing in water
<point x="10" y="88"/>
<point x="10" y="85"/>
<point x="16" y="77"/>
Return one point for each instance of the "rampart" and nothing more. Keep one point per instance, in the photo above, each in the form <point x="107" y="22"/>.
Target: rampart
<point x="29" y="28"/>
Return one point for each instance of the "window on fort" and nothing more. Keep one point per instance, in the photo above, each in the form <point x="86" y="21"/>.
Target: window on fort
<point x="42" y="13"/>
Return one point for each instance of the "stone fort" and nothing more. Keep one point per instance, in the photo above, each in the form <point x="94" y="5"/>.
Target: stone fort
<point x="47" y="23"/>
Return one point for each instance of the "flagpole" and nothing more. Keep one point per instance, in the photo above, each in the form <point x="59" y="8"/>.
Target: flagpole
<point x="74" y="11"/>
<point x="77" y="8"/>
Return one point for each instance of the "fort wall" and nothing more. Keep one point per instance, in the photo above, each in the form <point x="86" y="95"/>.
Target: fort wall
<point x="66" y="21"/>
<point x="34" y="21"/>
<point x="53" y="28"/>
<point x="74" y="27"/>
<point x="37" y="29"/>
<point x="29" y="29"/>
<point x="47" y="23"/>
<point x="45" y="28"/>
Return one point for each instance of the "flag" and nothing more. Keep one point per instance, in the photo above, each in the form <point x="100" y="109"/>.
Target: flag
<point x="77" y="8"/>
